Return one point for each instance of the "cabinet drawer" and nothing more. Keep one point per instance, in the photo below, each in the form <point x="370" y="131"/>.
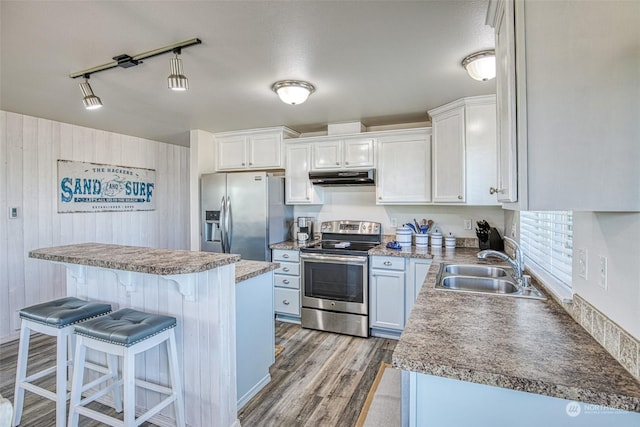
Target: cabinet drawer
<point x="387" y="262"/>
<point x="285" y="281"/>
<point x="289" y="268"/>
<point x="287" y="301"/>
<point x="285" y="255"/>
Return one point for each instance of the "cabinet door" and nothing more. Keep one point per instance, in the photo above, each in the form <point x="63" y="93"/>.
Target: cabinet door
<point x="449" y="156"/>
<point x="418" y="269"/>
<point x="327" y="155"/>
<point x="404" y="169"/>
<point x="507" y="185"/>
<point x="231" y="152"/>
<point x="358" y="153"/>
<point x="387" y="299"/>
<point x="265" y="151"/>
<point x="298" y="188"/>
<point x="481" y="152"/>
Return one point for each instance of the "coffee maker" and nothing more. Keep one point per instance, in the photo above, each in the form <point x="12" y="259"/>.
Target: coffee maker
<point x="305" y="225"/>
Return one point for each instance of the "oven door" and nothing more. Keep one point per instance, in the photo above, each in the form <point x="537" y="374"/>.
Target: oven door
<point x="335" y="282"/>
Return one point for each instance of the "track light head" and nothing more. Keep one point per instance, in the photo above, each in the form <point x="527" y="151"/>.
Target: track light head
<point x="177" y="80"/>
<point x="90" y="100"/>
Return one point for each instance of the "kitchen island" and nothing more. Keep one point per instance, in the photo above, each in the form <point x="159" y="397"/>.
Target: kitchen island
<point x="197" y="288"/>
<point x="471" y="359"/>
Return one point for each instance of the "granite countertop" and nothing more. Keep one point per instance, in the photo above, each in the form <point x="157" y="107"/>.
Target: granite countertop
<point x="516" y="343"/>
<point x="247" y="269"/>
<point x="138" y="259"/>
<point x="292" y="244"/>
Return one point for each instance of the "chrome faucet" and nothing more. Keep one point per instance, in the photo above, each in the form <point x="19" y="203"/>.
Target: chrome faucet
<point x="517" y="263"/>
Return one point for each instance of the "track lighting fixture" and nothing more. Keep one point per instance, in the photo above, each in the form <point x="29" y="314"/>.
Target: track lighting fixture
<point x="293" y="91"/>
<point x="89" y="99"/>
<point x="176" y="81"/>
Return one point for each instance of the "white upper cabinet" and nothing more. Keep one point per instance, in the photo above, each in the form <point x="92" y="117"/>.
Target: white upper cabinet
<point x="464" y="151"/>
<point x="404" y="168"/>
<point x="351" y="153"/>
<point x="448" y="154"/>
<point x="574" y="113"/>
<point x="252" y="149"/>
<point x="298" y="188"/>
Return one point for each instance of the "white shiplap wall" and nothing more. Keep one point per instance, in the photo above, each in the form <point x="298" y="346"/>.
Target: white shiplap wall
<point x="29" y="150"/>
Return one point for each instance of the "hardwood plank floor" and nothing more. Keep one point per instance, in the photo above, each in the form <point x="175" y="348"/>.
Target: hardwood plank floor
<point x="320" y="379"/>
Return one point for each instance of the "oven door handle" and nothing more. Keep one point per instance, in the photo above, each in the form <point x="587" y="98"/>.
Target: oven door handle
<point x="333" y="258"/>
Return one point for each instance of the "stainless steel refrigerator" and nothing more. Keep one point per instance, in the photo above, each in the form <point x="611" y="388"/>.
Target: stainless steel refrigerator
<point x="243" y="213"/>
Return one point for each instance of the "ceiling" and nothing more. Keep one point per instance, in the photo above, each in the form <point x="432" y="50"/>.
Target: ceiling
<point x="378" y="62"/>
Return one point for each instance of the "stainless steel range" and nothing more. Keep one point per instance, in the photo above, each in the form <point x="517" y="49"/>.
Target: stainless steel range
<point x="335" y="271"/>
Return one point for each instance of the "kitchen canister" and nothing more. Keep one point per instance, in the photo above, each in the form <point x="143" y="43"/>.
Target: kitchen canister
<point x="436" y="240"/>
<point x="422" y="240"/>
<point x="403" y="236"/>
<point x="450" y="241"/>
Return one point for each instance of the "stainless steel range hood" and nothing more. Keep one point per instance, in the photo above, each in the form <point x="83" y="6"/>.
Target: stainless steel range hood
<point x="343" y="178"/>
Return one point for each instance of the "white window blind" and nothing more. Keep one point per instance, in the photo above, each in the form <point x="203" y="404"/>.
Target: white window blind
<point x="546" y="240"/>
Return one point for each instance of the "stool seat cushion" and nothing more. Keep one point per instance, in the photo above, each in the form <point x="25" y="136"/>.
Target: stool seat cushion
<point x="125" y="327"/>
<point x="64" y="311"/>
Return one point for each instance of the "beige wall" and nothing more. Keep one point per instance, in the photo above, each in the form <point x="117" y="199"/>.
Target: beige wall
<point x="29" y="149"/>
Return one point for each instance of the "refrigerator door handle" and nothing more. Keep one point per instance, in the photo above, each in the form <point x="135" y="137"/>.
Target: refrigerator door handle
<point x="228" y="224"/>
<point x="223" y="231"/>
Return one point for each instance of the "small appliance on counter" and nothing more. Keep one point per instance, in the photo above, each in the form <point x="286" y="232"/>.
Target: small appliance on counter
<point x="304" y="231"/>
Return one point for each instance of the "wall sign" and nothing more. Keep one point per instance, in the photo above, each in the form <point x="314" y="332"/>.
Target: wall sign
<point x="92" y="187"/>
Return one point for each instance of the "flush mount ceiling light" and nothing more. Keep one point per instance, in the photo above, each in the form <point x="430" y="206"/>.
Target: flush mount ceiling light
<point x="176" y="81"/>
<point x="89" y="99"/>
<point x="293" y="91"/>
<point x="481" y="65"/>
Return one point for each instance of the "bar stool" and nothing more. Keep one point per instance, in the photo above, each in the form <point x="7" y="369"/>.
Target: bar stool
<point x="125" y="333"/>
<point x="54" y="318"/>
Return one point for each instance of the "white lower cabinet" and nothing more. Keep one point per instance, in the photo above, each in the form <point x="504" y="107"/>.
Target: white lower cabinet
<point x="394" y="283"/>
<point x="286" y="288"/>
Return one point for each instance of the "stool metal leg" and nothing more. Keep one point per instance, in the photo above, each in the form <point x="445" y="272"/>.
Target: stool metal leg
<point x="21" y="373"/>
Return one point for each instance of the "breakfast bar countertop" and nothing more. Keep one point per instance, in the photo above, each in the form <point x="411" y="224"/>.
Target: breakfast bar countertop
<point x="516" y="343"/>
<point x="137" y="259"/>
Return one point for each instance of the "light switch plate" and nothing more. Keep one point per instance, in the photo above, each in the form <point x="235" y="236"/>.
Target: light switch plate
<point x="581" y="256"/>
<point x="394" y="222"/>
<point x="602" y="277"/>
<point x="467" y="224"/>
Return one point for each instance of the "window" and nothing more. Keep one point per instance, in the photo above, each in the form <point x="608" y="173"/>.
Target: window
<point x="546" y="240"/>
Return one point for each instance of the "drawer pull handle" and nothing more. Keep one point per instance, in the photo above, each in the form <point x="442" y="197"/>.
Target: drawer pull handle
<point x="285" y="256"/>
<point x="388" y="263"/>
<point x="285" y="269"/>
<point x="285" y="281"/>
<point x="285" y="302"/>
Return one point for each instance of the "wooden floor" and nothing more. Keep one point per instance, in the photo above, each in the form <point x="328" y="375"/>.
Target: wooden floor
<point x="320" y="379"/>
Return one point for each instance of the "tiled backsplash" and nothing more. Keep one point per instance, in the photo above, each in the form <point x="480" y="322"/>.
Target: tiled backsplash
<point x="622" y="346"/>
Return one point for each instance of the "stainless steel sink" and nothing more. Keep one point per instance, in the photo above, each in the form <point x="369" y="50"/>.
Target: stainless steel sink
<point x="476" y="270"/>
<point x="479" y="284"/>
<point x="483" y="279"/>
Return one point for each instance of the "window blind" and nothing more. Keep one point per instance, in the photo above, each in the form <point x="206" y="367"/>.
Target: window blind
<point x="546" y="240"/>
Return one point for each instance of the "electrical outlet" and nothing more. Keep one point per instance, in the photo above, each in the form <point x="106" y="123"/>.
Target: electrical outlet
<point x="602" y="279"/>
<point x="394" y="222"/>
<point x="13" y="213"/>
<point x="581" y="254"/>
<point x="467" y="224"/>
